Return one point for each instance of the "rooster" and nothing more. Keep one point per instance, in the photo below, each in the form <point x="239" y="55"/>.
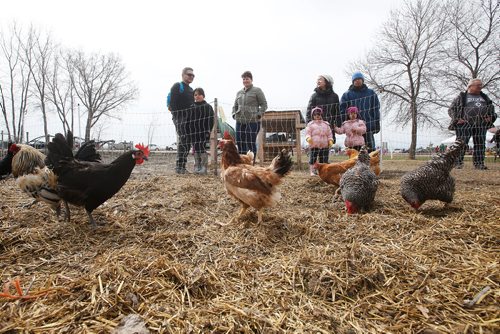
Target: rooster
<point x="41" y="183"/>
<point x="332" y="172"/>
<point x="359" y="184"/>
<point x="90" y="184"/>
<point x="6" y="163"/>
<point x="26" y="158"/>
<point x="432" y="181"/>
<point x="252" y="186"/>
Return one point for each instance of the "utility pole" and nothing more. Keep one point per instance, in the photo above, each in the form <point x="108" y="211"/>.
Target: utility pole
<point x="79" y="123"/>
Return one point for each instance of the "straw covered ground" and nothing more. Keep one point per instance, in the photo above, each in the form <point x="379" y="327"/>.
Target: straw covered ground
<point x="165" y="255"/>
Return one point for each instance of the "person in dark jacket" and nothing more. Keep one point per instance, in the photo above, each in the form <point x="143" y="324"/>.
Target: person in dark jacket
<point x="367" y="102"/>
<point x="325" y="98"/>
<point x="472" y="112"/>
<point x="179" y="103"/>
<point x="202" y="122"/>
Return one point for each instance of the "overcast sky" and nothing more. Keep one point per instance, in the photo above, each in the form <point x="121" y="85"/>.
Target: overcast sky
<point x="286" y="44"/>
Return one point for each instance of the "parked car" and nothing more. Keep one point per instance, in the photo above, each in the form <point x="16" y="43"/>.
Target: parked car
<point x="171" y="147"/>
<point x="124" y="145"/>
<point x="39" y="142"/>
<point x="154" y="147"/>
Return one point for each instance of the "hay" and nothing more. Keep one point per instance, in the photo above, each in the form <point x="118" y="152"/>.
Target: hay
<point x="308" y="268"/>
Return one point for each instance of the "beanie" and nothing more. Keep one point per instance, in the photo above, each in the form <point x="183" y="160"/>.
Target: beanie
<point x="352" y="109"/>
<point x="328" y="78"/>
<point x="317" y="110"/>
<point x="358" y="75"/>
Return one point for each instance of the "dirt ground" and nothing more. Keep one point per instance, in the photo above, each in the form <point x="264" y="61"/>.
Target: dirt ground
<point x="164" y="253"/>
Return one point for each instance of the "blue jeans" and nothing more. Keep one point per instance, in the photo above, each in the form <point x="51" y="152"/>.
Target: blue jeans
<point x="478" y="134"/>
<point x="246" y="137"/>
<point x="369" y="141"/>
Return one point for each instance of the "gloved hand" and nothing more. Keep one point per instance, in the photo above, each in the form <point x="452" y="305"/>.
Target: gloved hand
<point x="330" y="143"/>
<point x="309" y="140"/>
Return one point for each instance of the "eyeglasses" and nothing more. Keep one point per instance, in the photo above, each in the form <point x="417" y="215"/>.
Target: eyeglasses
<point x="190" y="75"/>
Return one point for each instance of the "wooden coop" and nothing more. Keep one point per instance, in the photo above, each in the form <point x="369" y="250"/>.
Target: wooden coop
<point x="280" y="130"/>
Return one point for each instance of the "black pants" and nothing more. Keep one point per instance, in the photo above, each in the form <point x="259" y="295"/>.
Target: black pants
<point x="478" y="134"/>
<point x="320" y="153"/>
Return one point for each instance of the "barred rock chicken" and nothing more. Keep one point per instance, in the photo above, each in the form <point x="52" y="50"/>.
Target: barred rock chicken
<point x="252" y="186"/>
<point x="432" y="181"/>
<point x="6" y="163"/>
<point x="374" y="159"/>
<point x="90" y="184"/>
<point x="359" y="184"/>
<point x="41" y="183"/>
<point x="332" y="172"/>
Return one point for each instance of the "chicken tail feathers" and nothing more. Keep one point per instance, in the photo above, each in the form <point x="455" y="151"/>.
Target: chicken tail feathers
<point x="87" y="152"/>
<point x="283" y="163"/>
<point x="59" y="149"/>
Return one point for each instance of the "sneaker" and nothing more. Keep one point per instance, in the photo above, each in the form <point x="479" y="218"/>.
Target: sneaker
<point x="481" y="167"/>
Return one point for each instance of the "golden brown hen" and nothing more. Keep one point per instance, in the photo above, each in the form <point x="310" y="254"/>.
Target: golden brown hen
<point x="252" y="186"/>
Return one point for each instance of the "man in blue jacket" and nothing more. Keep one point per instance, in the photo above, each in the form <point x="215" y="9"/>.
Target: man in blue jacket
<point x="367" y="102"/>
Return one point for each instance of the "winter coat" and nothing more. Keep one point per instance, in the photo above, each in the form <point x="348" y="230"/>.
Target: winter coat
<point x="249" y="105"/>
<point x="354" y="130"/>
<point x="457" y="111"/>
<point x="201" y="121"/>
<point x="320" y="132"/>
<point x="180" y="103"/>
<point x="328" y="100"/>
<point x="368" y="105"/>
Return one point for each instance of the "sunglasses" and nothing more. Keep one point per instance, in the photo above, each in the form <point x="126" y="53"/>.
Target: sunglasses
<point x="190" y="75"/>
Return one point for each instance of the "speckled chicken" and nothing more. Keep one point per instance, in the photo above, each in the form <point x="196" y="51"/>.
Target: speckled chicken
<point x="359" y="184"/>
<point x="432" y="180"/>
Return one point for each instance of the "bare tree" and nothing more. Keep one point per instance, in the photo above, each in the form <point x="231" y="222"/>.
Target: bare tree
<point x="102" y="86"/>
<point x="472" y="47"/>
<point x="400" y="64"/>
<point x="38" y="56"/>
<point x="62" y="94"/>
<point x="14" y="82"/>
<point x="151" y="130"/>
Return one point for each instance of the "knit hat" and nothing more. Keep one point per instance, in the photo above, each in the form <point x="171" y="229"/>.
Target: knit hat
<point x="317" y="110"/>
<point x="358" y="75"/>
<point x="352" y="109"/>
<point x="328" y="78"/>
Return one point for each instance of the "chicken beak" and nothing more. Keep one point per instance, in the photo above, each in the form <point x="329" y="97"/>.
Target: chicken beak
<point x="145" y="158"/>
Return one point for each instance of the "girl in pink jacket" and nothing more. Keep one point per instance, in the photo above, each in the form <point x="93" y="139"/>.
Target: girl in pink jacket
<point x="354" y="128"/>
<point x="320" y="138"/>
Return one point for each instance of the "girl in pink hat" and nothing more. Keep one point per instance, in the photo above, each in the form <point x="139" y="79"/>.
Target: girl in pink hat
<point x="320" y="138"/>
<point x="354" y="128"/>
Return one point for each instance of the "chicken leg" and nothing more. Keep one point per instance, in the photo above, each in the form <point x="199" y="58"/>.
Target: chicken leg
<point x="243" y="209"/>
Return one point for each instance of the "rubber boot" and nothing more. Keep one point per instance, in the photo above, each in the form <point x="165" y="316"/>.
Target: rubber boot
<point x="312" y="170"/>
<point x="203" y="163"/>
<point x="197" y="163"/>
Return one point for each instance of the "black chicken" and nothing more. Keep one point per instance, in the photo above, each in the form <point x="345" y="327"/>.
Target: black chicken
<point x="89" y="184"/>
<point x="6" y="163"/>
<point x="359" y="184"/>
<point x="432" y="180"/>
<point x="36" y="177"/>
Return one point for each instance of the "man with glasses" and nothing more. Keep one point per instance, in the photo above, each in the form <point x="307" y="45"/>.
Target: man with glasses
<point x="179" y="102"/>
<point x="472" y="114"/>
